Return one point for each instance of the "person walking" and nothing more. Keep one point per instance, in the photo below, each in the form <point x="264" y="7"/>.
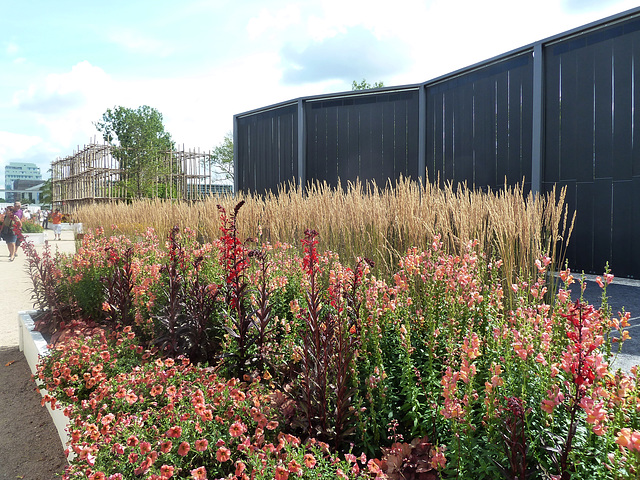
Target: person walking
<point x="11" y="225"/>
<point x="56" y="219"/>
<point x="17" y="210"/>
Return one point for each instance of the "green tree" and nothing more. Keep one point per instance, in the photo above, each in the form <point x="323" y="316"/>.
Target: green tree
<point x="46" y="193"/>
<point x="222" y="157"/>
<point x="364" y="85"/>
<point x="141" y="145"/>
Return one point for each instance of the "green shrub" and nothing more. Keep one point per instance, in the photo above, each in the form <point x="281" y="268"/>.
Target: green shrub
<point x="30" y="227"/>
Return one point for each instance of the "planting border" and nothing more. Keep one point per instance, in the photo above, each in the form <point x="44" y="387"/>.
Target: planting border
<point x="36" y="238"/>
<point x="33" y="345"/>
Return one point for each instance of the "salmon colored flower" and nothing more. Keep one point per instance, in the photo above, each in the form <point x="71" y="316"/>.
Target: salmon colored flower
<point x="131" y="397"/>
<point x="294" y="467"/>
<point x="629" y="438"/>
<point x="223" y="454"/>
<point x="156" y="390"/>
<point x="166" y="471"/>
<point x="624" y="437"/>
<point x="309" y="460"/>
<point x="201" y="445"/>
<point x="240" y="468"/>
<point x="174" y="432"/>
<point x="237" y="428"/>
<point x="272" y="425"/>
<point x="165" y="447"/>
<point x="183" y="448"/>
<point x="199" y="473"/>
<point x="281" y="473"/>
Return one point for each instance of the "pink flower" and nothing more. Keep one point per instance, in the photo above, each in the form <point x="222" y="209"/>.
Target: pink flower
<point x="131" y="397"/>
<point x="240" y="467"/>
<point x="201" y="445"/>
<point x="281" y="473"/>
<point x="184" y="448"/>
<point x="155" y="390"/>
<point x="165" y="447"/>
<point x="199" y="473"/>
<point x="309" y="460"/>
<point x="237" y="428"/>
<point x="166" y="471"/>
<point x="294" y="467"/>
<point x="174" y="432"/>
<point x="438" y="460"/>
<point x="272" y="425"/>
<point x="223" y="454"/>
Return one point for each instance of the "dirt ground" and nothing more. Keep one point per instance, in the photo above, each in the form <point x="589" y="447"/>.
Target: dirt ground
<point x="29" y="444"/>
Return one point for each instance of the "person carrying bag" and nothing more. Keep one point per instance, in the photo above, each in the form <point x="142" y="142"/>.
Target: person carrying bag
<point x="11" y="224"/>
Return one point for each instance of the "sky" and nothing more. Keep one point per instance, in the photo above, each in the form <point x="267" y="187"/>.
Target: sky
<point x="63" y="63"/>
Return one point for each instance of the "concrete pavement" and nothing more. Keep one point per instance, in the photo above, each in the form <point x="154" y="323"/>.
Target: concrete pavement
<point x="15" y="285"/>
<point x="622" y="295"/>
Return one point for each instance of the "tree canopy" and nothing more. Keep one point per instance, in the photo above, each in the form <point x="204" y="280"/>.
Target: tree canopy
<point x="364" y="85"/>
<point x="140" y="144"/>
<point x="222" y="156"/>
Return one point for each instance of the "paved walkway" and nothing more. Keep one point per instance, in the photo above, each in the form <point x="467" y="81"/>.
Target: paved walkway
<point x="16" y="285"/>
<point x="623" y="294"/>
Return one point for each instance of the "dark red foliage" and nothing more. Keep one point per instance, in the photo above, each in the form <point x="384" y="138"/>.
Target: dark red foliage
<point x="56" y="310"/>
<point x="118" y="289"/>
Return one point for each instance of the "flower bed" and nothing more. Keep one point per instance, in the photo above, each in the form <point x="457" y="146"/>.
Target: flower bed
<point x="34" y="347"/>
<point x="227" y="360"/>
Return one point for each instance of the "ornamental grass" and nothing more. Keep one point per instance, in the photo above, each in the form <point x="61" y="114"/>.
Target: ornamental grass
<point x="359" y="219"/>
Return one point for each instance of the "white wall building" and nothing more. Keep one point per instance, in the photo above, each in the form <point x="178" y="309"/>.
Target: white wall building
<point x="18" y="171"/>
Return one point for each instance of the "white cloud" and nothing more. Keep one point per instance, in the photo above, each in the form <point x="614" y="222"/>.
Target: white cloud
<point x="268" y="21"/>
<point x="16" y="144"/>
<point x="12" y="48"/>
<point x="67" y="103"/>
<point x="138" y="42"/>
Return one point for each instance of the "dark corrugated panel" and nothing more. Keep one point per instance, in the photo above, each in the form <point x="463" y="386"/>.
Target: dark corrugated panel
<point x="592" y="96"/>
<point x="371" y="137"/>
<point x="267" y="145"/>
<point x="479" y="126"/>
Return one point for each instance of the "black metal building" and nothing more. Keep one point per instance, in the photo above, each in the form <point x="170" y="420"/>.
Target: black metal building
<point x="561" y="111"/>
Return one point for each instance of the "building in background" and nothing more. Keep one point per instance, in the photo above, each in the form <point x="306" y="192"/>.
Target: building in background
<point x="27" y="191"/>
<point x="16" y="171"/>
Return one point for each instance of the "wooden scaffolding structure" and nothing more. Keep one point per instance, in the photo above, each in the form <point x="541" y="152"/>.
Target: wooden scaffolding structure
<point x="93" y="174"/>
